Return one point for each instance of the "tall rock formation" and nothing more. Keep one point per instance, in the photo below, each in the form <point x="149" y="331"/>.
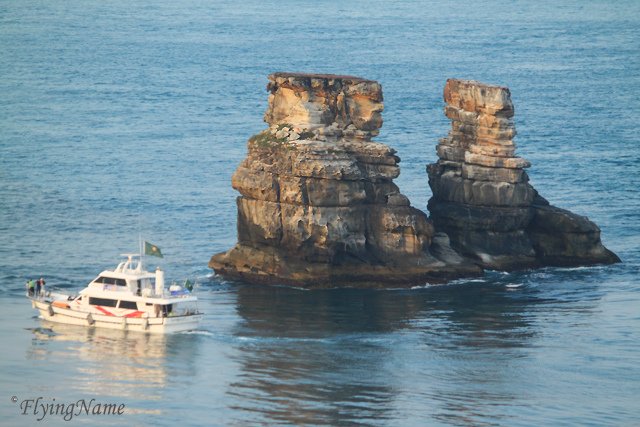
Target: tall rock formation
<point x="482" y="198"/>
<point x="318" y="205"/>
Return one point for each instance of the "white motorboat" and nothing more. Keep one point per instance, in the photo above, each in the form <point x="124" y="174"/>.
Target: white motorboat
<point x="127" y="297"/>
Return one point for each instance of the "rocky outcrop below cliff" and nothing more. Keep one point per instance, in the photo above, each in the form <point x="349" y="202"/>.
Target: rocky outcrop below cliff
<point x="482" y="197"/>
<point x="318" y="205"/>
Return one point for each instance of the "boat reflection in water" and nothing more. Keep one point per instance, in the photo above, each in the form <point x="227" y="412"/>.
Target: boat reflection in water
<point x="112" y="365"/>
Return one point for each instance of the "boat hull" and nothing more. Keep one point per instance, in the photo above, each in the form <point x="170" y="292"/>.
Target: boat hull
<point x="160" y="325"/>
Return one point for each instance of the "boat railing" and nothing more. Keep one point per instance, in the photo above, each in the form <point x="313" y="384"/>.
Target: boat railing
<point x="50" y="293"/>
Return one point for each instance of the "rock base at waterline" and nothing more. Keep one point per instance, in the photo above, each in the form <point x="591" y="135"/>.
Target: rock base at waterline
<point x="270" y="266"/>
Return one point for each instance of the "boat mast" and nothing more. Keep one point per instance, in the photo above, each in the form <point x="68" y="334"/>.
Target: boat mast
<point x="140" y="267"/>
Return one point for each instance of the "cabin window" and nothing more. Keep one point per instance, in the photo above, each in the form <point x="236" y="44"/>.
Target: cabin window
<point x="128" y="304"/>
<point x="102" y="301"/>
<point x="111" y="281"/>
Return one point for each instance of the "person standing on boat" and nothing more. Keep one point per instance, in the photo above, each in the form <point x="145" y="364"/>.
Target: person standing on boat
<point x="30" y="287"/>
<point x="40" y="286"/>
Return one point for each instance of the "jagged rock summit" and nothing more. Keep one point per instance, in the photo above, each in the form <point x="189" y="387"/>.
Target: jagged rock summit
<point x="318" y="205"/>
<point x="482" y="197"/>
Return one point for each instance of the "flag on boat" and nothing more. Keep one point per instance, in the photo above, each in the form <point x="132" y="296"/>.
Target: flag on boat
<point x="152" y="250"/>
<point x="188" y="285"/>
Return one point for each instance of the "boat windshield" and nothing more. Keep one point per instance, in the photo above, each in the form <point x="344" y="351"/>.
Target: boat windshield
<point x="110" y="281"/>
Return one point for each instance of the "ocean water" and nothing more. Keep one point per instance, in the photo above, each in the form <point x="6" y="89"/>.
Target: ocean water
<point x="119" y="118"/>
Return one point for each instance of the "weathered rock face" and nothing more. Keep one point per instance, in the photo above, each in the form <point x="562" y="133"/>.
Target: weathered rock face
<point x="318" y="205"/>
<point x="482" y="198"/>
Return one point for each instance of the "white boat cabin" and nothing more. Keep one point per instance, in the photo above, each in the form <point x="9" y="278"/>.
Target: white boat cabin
<point x="130" y="291"/>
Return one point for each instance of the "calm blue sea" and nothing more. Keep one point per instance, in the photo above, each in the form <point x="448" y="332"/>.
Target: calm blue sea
<point x="127" y="117"/>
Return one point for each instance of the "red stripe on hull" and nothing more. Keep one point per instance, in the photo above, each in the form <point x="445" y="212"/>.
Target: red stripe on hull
<point x="108" y="313"/>
<point x="135" y="314"/>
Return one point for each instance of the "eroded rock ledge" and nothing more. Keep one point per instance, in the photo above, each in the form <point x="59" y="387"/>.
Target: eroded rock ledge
<point x="482" y="197"/>
<point x="318" y="205"/>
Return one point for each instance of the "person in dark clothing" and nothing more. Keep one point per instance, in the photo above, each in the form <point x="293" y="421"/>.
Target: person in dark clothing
<point x="40" y="286"/>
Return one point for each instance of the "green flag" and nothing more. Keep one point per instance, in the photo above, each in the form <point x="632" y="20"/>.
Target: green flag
<point x="152" y="250"/>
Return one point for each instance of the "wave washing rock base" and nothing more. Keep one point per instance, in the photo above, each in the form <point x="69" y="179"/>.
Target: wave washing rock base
<point x="318" y="205"/>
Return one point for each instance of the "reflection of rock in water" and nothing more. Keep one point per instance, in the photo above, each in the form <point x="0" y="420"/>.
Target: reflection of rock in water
<point x="279" y="312"/>
<point x="333" y="356"/>
<point x="487" y="337"/>
<point x="317" y="385"/>
<point x="300" y="362"/>
<point x="104" y="362"/>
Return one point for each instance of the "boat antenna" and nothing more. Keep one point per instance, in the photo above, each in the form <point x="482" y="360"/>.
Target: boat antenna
<point x="140" y="246"/>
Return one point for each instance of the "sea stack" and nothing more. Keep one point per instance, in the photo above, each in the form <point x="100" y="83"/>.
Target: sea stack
<point x="318" y="205"/>
<point x="482" y="197"/>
